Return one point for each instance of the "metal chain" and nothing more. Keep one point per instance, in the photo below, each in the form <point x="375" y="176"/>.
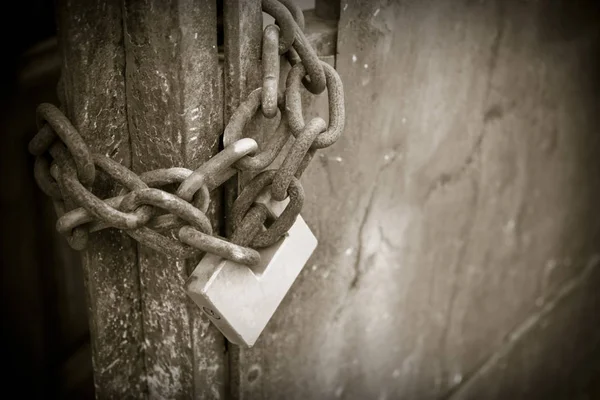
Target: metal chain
<point x="65" y="168"/>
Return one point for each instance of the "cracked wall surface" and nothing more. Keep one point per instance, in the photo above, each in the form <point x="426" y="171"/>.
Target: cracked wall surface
<point x="455" y="212"/>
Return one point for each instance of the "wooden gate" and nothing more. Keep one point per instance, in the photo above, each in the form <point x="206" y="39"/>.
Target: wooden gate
<point x="456" y="216"/>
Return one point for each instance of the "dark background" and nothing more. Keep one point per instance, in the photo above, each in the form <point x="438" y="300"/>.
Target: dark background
<point x="45" y="350"/>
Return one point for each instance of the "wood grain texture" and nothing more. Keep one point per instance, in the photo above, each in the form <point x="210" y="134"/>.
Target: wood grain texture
<point x="175" y="117"/>
<point x="460" y="198"/>
<point x="243" y="38"/>
<point x="93" y="68"/>
<point x="242" y="31"/>
<point x="241" y="71"/>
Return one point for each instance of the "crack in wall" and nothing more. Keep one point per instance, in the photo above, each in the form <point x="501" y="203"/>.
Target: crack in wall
<point x="357" y="260"/>
<point x="492" y="113"/>
<point x="358" y="272"/>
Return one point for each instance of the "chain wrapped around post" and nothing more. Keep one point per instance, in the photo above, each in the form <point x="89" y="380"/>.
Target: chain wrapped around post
<point x="176" y="223"/>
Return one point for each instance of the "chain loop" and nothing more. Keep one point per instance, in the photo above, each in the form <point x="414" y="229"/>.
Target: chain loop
<point x="201" y="199"/>
<point x="270" y="64"/>
<point x="305" y="162"/>
<point x="335" y="94"/>
<point x="315" y="79"/>
<point x="43" y="178"/>
<point x="167" y="201"/>
<point x="163" y="244"/>
<point x="294" y="158"/>
<point x="78" y="237"/>
<point x="155" y="178"/>
<point x="52" y="122"/>
<point x="283" y="223"/>
<point x="176" y="206"/>
<point x="291" y="35"/>
<point x="221" y="163"/>
<point x="93" y="204"/>
<point x="235" y="131"/>
<point x="298" y="17"/>
<point x="81" y="216"/>
<point x="251" y="225"/>
<point x="296" y="12"/>
<point x="218" y="246"/>
<point x="286" y="22"/>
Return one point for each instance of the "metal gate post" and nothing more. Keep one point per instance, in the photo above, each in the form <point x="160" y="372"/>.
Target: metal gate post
<point x="143" y="86"/>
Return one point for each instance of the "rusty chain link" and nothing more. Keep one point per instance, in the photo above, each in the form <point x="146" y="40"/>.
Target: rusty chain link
<point x="176" y="223"/>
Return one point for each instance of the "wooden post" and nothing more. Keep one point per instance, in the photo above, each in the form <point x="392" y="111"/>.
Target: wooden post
<point x="243" y="34"/>
<point x="143" y="86"/>
<point x="94" y="88"/>
<point x="175" y="118"/>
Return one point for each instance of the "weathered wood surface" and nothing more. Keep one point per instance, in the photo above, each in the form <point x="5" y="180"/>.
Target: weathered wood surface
<point x="243" y="38"/>
<point x="175" y="117"/>
<point x="459" y="202"/>
<point x="241" y="71"/>
<point x="93" y="67"/>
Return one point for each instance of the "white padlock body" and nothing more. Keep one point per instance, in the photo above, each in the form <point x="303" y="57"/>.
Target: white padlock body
<point x="240" y="301"/>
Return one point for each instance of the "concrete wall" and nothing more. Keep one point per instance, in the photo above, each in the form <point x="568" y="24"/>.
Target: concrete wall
<point x="457" y="216"/>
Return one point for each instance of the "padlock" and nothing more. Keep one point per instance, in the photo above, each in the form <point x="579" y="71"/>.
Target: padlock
<point x="240" y="300"/>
